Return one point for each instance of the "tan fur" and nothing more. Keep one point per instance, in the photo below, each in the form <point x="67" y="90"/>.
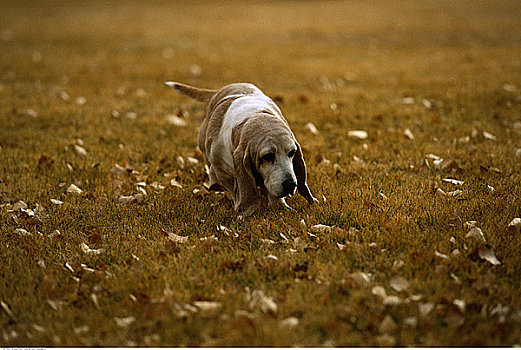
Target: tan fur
<point x="266" y="126"/>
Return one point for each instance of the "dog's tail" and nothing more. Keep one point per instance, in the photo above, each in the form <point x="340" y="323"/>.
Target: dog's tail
<point x="198" y="94"/>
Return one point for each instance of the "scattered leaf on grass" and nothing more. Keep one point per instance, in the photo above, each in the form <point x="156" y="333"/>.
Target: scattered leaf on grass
<point x="408" y="133"/>
<point x="74" y="189"/>
<point x="22" y="232"/>
<point x="80" y="150"/>
<point x="207" y="306"/>
<point x="87" y="250"/>
<point x="489" y="136"/>
<point x="392" y="300"/>
<point x="440" y="255"/>
<point x="56" y="201"/>
<point x="425" y="308"/>
<point x="357" y="134"/>
<point x="124" y="321"/>
<point x="488" y="254"/>
<point x="262" y="302"/>
<point x="173" y="237"/>
<point x="6" y="308"/>
<point x="175" y="120"/>
<point x="311" y="128"/>
<point x="360" y="279"/>
<point x="119" y="171"/>
<point x="453" y="181"/>
<point x="387" y="325"/>
<point x="460" y="304"/>
<point x="320" y="228"/>
<point x="399" y="283"/>
<point x="476" y="233"/>
<point x="290" y="322"/>
<point x="379" y="291"/>
<point x="514" y="225"/>
<point x="20" y="205"/>
<point x="176" y="184"/>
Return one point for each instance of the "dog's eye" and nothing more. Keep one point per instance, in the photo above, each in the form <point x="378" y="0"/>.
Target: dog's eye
<point x="270" y="157"/>
<point x="292" y="153"/>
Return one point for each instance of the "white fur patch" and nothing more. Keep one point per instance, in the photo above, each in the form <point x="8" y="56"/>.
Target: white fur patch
<point x="240" y="110"/>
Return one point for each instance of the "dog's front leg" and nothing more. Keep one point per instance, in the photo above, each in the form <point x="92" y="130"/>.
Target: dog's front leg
<point x="276" y="202"/>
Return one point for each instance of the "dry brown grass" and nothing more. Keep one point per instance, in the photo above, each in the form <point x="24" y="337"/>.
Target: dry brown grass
<point x="363" y="57"/>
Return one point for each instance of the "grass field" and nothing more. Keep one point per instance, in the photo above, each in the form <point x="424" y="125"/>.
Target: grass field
<point x="435" y="84"/>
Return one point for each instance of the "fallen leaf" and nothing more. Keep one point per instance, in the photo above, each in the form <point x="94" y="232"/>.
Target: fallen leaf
<point x="74" y="189"/>
<point x="124" y="321"/>
<point x="460" y="304"/>
<point x="311" y="128"/>
<point x="514" y="225"/>
<point x="80" y="150"/>
<point x="408" y="101"/>
<point x="489" y="136"/>
<point x="408" y="133"/>
<point x="470" y="224"/>
<point x="488" y="254"/>
<point x="87" y="250"/>
<point x="175" y="120"/>
<point x="173" y="237"/>
<point x="453" y="181"/>
<point x="262" y="302"/>
<point x="357" y="134"/>
<point x="379" y="291"/>
<point x="320" y="228"/>
<point x="399" y="283"/>
<point x="56" y="201"/>
<point x="20" y="205"/>
<point x="387" y="325"/>
<point x="440" y="255"/>
<point x="207" y="306"/>
<point x="476" y="233"/>
<point x="119" y="171"/>
<point x="290" y="322"/>
<point x="392" y="300"/>
<point x="22" y="232"/>
<point x="6" y="308"/>
<point x="174" y="183"/>
<point x="425" y="308"/>
<point x="360" y="279"/>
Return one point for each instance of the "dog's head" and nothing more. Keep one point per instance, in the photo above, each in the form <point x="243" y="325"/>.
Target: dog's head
<point x="267" y="155"/>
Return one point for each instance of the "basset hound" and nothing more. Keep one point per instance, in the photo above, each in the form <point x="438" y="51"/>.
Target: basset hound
<point x="247" y="144"/>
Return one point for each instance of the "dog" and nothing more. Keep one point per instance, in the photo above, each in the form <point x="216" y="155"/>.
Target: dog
<point x="247" y="144"/>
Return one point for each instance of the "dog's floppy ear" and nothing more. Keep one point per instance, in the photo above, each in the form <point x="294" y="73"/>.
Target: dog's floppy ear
<point x="246" y="197"/>
<point x="299" y="167"/>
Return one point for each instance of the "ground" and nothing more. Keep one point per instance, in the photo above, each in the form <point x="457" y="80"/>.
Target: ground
<point x="144" y="255"/>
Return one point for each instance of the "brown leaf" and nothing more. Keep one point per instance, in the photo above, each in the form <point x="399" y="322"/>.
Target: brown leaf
<point x="173" y="237"/>
<point x="94" y="237"/>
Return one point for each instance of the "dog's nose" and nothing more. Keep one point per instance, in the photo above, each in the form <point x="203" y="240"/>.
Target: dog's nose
<point x="288" y="186"/>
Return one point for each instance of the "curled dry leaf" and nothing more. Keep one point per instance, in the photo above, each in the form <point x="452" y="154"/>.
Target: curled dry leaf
<point x="87" y="250"/>
<point x="207" y="306"/>
<point x="6" y="308"/>
<point x="175" y="120"/>
<point x="175" y="238"/>
<point x="56" y="201"/>
<point x="399" y="283"/>
<point x="379" y="291"/>
<point x="176" y="184"/>
<point x="425" y="308"/>
<point x="262" y="302"/>
<point x="20" y="205"/>
<point x="392" y="300"/>
<point x="80" y="150"/>
<point x="476" y="233"/>
<point x="357" y="134"/>
<point x="119" y="171"/>
<point x="387" y="325"/>
<point x="453" y="181"/>
<point x="124" y="321"/>
<point x="514" y="225"/>
<point x="360" y="279"/>
<point x="408" y="133"/>
<point x="74" y="189"/>
<point x="489" y="136"/>
<point x="311" y="128"/>
<point x="488" y="254"/>
<point x="290" y="322"/>
<point x="440" y="255"/>
<point x="22" y="232"/>
<point x="320" y="228"/>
